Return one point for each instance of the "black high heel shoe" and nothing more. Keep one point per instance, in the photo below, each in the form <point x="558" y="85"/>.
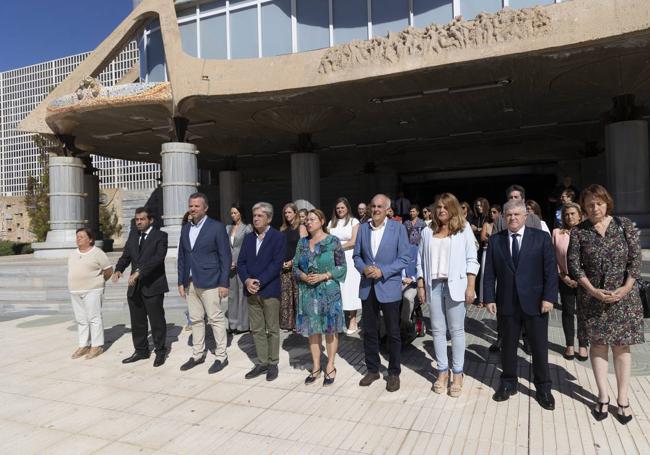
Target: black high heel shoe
<point x="621" y="417"/>
<point x="328" y="379"/>
<point x="598" y="412"/>
<point x="313" y="376"/>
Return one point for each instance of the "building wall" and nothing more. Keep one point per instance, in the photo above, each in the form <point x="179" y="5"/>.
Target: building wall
<point x="22" y="89"/>
<point x="14" y="221"/>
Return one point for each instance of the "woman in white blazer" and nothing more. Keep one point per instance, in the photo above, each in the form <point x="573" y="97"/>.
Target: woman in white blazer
<point x="447" y="268"/>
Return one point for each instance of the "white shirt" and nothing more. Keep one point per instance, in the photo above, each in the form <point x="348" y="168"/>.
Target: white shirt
<point x="260" y="239"/>
<point x="376" y="233"/>
<point x="520" y="232"/>
<point x="440" y="250"/>
<point x="195" y="229"/>
<point x="146" y="234"/>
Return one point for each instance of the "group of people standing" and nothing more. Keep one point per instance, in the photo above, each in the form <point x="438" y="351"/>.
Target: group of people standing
<point x="313" y="275"/>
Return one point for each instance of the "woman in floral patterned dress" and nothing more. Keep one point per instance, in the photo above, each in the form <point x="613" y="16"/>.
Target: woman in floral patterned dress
<point x="605" y="258"/>
<point x="319" y="266"/>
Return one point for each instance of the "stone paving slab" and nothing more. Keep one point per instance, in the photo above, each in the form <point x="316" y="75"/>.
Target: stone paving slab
<point x="52" y="404"/>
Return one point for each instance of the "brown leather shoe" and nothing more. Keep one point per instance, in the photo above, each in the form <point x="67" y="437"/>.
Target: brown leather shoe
<point x="80" y="352"/>
<point x="440" y="386"/>
<point x="368" y="379"/>
<point x="94" y="352"/>
<point x="392" y="384"/>
<point x="456" y="387"/>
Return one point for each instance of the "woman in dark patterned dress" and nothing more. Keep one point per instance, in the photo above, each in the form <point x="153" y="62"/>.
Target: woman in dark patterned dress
<point x="293" y="230"/>
<point x="605" y="258"/>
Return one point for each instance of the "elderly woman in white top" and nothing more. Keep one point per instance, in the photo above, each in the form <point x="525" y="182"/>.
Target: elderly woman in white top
<point x="88" y="270"/>
<point x="447" y="268"/>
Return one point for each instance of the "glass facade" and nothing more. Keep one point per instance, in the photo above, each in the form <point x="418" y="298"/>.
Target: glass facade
<point x="23" y="89"/>
<point x="265" y="28"/>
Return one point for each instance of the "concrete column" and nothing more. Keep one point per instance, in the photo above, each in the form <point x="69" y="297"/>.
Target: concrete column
<point x="179" y="180"/>
<point x="91" y="203"/>
<point x="66" y="207"/>
<point x="229" y="193"/>
<point x="305" y="179"/>
<point x="628" y="170"/>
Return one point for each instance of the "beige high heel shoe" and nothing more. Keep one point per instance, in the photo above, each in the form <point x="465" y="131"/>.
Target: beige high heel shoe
<point x="456" y="387"/>
<point x="440" y="386"/>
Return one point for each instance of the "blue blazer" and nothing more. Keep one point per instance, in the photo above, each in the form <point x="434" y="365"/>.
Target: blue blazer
<point x="209" y="260"/>
<point x="265" y="266"/>
<point x="534" y="279"/>
<point x="393" y="256"/>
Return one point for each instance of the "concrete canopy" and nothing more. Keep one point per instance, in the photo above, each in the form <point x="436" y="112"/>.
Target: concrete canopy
<point x="525" y="85"/>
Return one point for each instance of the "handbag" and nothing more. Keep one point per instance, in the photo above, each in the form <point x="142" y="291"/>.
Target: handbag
<point x="643" y="285"/>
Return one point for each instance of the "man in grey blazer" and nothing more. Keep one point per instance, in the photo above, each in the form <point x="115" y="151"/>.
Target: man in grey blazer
<point x="381" y="252"/>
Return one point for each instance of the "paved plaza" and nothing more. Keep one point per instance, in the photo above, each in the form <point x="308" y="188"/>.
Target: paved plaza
<point x="52" y="404"/>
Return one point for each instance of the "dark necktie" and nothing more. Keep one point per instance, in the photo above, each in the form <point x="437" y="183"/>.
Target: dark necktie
<point x="515" y="249"/>
<point x="142" y="237"/>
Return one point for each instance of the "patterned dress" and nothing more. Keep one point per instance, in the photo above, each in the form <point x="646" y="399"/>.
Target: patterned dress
<point x="320" y="308"/>
<point x="414" y="230"/>
<point x="288" y="285"/>
<point x="607" y="261"/>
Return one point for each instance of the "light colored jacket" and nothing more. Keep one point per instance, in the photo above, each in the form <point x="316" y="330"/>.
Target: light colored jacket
<point x="462" y="260"/>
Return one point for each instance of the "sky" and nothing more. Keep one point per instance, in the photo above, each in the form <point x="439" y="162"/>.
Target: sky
<point x="33" y="31"/>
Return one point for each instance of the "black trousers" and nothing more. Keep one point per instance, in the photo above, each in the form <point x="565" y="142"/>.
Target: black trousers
<point x="141" y="307"/>
<point x="370" y="320"/>
<point x="537" y="331"/>
<point x="569" y="297"/>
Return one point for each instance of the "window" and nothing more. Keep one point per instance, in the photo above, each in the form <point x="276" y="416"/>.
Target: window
<point x="155" y="57"/>
<point x="243" y="33"/>
<point x="469" y="9"/>
<point x="276" y="28"/>
<point x="350" y="20"/>
<point x="188" y="37"/>
<point x="389" y="16"/>
<point x="528" y="3"/>
<point x="427" y="12"/>
<point x="313" y="24"/>
<point x="213" y="37"/>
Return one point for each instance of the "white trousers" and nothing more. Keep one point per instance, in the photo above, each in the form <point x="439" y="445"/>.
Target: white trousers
<point x="87" y="307"/>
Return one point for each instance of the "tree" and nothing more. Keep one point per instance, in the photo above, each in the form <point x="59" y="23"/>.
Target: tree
<point x="37" y="197"/>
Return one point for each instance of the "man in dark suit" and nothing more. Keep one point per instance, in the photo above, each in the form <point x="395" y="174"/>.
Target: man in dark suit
<point x="145" y="251"/>
<point x="381" y="252"/>
<point x="521" y="262"/>
<point x="259" y="266"/>
<point x="204" y="261"/>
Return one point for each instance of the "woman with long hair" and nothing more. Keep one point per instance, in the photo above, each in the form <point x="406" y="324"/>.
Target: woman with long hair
<point x="446" y="272"/>
<point x="237" y="305"/>
<point x="534" y="208"/>
<point x="344" y="226"/>
<point x="486" y="232"/>
<point x="319" y="265"/>
<point x="293" y="231"/>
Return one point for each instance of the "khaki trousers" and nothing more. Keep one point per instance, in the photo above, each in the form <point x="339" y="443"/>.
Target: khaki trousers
<point x="264" y="316"/>
<point x="203" y="302"/>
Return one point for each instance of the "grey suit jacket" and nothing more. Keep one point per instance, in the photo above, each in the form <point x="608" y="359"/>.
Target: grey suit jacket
<point x="235" y="244"/>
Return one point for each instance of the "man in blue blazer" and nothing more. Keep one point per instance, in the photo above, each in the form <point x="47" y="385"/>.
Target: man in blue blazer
<point x="381" y="252"/>
<point x="521" y="262"/>
<point x="259" y="266"/>
<point x="204" y="261"/>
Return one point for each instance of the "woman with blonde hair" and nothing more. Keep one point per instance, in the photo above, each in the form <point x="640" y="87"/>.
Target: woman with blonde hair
<point x="293" y="231"/>
<point x="446" y="270"/>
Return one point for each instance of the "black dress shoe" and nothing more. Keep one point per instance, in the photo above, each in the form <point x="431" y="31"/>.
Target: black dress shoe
<point x="258" y="370"/>
<point x="545" y="400"/>
<point x="217" y="366"/>
<point x="496" y="346"/>
<point x="136" y="356"/>
<point x="272" y="373"/>
<point x="504" y="393"/>
<point x="392" y="383"/>
<point x="192" y="363"/>
<point x="160" y="359"/>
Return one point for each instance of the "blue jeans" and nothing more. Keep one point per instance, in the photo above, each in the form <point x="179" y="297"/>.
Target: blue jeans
<point x="447" y="314"/>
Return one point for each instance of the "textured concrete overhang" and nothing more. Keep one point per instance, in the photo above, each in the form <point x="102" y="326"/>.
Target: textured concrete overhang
<point x="305" y="92"/>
